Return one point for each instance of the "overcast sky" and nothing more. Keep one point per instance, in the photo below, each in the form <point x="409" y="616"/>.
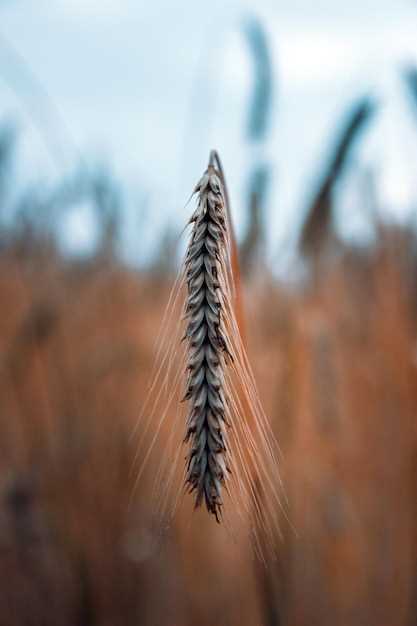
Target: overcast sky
<point x="150" y="87"/>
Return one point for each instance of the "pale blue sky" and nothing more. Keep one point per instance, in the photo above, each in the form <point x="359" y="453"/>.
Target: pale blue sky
<point x="151" y="87"/>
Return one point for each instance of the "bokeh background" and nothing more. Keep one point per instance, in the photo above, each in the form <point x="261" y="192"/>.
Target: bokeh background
<point x="108" y="111"/>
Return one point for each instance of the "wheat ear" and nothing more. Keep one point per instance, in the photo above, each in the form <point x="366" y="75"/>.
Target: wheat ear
<point x="231" y="450"/>
<point x="207" y="464"/>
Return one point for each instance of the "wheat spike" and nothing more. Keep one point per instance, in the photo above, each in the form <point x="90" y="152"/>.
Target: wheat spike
<point x="207" y="466"/>
<point x="231" y="452"/>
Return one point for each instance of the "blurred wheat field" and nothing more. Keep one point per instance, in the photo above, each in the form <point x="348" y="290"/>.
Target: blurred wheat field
<point x="335" y="361"/>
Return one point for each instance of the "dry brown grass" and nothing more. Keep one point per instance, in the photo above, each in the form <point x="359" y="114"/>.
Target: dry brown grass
<point x="337" y="374"/>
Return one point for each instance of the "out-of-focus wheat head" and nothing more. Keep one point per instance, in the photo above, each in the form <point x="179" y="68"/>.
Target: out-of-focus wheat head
<point x="203" y="404"/>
